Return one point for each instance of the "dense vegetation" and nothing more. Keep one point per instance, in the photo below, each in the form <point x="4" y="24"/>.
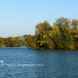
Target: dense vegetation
<point x="62" y="34"/>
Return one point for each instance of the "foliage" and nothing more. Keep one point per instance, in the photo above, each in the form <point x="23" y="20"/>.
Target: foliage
<point x="62" y="34"/>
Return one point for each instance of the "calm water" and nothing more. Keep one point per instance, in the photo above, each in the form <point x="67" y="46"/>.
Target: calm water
<point x="28" y="63"/>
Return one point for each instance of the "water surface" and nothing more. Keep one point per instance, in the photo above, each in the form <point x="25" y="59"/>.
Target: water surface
<point x="28" y="63"/>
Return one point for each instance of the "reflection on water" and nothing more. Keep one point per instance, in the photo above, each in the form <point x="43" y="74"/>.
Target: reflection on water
<point x="28" y="63"/>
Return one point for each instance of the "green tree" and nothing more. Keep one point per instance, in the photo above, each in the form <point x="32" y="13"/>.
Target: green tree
<point x="42" y="27"/>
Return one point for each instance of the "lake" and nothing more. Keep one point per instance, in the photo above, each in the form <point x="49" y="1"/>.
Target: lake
<point x="29" y="63"/>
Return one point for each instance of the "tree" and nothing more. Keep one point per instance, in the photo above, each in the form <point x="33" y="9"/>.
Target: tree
<point x="13" y="42"/>
<point x="29" y="41"/>
<point x="2" y="43"/>
<point x="75" y="24"/>
<point x="42" y="27"/>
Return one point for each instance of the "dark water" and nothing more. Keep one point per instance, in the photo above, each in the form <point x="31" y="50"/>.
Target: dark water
<point x="28" y="63"/>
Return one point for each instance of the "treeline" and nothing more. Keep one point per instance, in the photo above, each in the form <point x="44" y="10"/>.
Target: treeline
<point x="62" y="34"/>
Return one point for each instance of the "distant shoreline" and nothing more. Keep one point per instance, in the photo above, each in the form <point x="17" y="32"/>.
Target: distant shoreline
<point x="61" y="35"/>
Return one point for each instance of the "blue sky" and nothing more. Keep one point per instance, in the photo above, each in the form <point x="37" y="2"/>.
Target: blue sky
<point x="21" y="16"/>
